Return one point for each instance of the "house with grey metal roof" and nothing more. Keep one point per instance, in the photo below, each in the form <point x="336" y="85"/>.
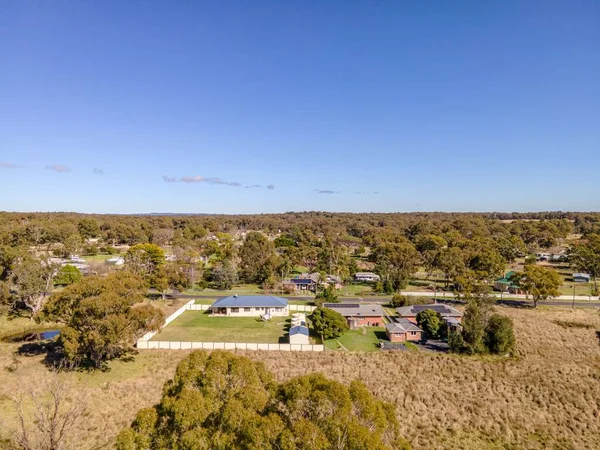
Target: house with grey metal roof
<point x="403" y="330"/>
<point x="410" y="312"/>
<point x="250" y="305"/>
<point x="366" y="276"/>
<point x="359" y="314"/>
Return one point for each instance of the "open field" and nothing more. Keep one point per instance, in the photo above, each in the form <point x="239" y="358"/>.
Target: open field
<point x="355" y="340"/>
<point x="547" y="398"/>
<point x="199" y="326"/>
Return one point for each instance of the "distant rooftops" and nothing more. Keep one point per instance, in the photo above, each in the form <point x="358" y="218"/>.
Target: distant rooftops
<point x="356" y="309"/>
<point x="444" y="310"/>
<point x="251" y="301"/>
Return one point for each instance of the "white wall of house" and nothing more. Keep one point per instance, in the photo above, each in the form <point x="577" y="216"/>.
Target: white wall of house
<point x="256" y="312"/>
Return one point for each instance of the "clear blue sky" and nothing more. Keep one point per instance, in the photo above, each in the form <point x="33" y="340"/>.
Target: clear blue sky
<point x="179" y="106"/>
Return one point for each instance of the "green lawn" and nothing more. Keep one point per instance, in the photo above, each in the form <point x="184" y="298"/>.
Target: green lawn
<point x="198" y="326"/>
<point x="205" y="301"/>
<point x="355" y="340"/>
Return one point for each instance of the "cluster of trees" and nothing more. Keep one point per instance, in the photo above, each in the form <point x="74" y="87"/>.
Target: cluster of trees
<point x="102" y="317"/>
<point x="220" y="400"/>
<point x="482" y="331"/>
<point x="461" y="246"/>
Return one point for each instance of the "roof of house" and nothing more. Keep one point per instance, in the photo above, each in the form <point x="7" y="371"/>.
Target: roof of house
<point x="581" y="275"/>
<point x="452" y="321"/>
<point x="256" y="301"/>
<point x="301" y="281"/>
<point x="413" y="310"/>
<point x="506" y="277"/>
<point x="365" y="274"/>
<point x="401" y="326"/>
<point x="356" y="309"/>
<point x="299" y="330"/>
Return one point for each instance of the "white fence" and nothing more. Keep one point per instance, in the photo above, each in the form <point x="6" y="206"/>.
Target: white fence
<point x="169" y="345"/>
<point x="145" y="343"/>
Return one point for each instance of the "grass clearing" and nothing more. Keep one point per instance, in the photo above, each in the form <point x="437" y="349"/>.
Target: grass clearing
<point x="362" y="340"/>
<point x="199" y="326"/>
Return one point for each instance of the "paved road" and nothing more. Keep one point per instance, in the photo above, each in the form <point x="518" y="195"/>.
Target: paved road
<point x="510" y="300"/>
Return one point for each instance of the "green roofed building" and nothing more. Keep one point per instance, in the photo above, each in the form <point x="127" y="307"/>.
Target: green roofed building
<point x="505" y="284"/>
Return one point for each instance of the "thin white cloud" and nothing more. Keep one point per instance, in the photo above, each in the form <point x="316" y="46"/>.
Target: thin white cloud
<point x="212" y="180"/>
<point x="59" y="168"/>
<point x="98" y="171"/>
<point x="326" y="191"/>
<point x="9" y="165"/>
<point x="368" y="193"/>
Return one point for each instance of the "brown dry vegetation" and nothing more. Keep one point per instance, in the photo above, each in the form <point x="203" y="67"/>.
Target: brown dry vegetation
<point x="549" y="397"/>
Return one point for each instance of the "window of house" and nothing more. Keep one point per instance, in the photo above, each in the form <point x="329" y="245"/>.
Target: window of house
<point x="235" y="310"/>
<point x="247" y="309"/>
<point x="413" y="333"/>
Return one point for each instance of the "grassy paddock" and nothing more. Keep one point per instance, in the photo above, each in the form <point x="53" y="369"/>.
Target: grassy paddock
<point x="199" y="326"/>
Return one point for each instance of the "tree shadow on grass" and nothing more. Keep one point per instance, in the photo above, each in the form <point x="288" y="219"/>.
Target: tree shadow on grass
<point x="598" y="336"/>
<point x="515" y="304"/>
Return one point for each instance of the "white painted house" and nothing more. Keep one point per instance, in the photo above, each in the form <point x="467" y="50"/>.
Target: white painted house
<point x="250" y="306"/>
<point x="366" y="276"/>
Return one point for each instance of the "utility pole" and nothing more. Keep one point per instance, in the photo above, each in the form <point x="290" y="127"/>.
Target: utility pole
<point x="573" y="304"/>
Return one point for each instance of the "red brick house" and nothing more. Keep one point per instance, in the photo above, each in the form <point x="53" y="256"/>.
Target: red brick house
<point x="359" y="315"/>
<point x="403" y="330"/>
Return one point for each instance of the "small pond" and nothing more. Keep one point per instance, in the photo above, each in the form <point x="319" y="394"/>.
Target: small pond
<point x="32" y="336"/>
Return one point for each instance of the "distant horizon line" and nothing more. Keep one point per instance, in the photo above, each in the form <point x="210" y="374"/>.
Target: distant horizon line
<point x="297" y="212"/>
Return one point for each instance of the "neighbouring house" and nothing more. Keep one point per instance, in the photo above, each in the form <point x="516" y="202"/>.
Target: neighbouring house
<point x="505" y="284"/>
<point x="366" y="276"/>
<point x="403" y="330"/>
<point x="332" y="280"/>
<point x="447" y="312"/>
<point x="250" y="306"/>
<point x="581" y="278"/>
<point x="301" y="284"/>
<point x="359" y="315"/>
<point x="299" y="335"/>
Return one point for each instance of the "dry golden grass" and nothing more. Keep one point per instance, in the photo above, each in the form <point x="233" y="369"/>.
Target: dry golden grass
<point x="549" y="397"/>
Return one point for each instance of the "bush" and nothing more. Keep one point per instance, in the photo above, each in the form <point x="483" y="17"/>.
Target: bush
<point x="90" y="250"/>
<point x="327" y="295"/>
<point x="400" y="300"/>
<point x="67" y="275"/>
<point x="328" y="323"/>
<point x="499" y="335"/>
<point x="220" y="400"/>
<point x="432" y="324"/>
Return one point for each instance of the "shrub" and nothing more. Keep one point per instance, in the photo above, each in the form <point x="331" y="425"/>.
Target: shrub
<point x="327" y="295"/>
<point x="432" y="324"/>
<point x="67" y="275"/>
<point x="499" y="335"/>
<point x="221" y="400"/>
<point x="329" y="323"/>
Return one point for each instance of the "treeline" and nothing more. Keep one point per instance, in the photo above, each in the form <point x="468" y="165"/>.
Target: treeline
<point x="221" y="251"/>
<point x="49" y="228"/>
